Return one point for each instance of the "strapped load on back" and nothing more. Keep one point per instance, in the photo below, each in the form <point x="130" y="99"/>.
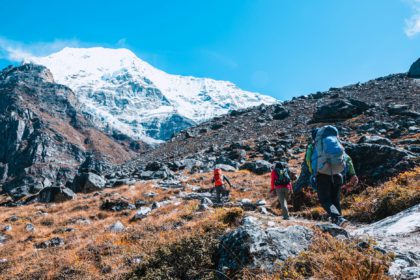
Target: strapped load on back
<point x="328" y="155"/>
<point x="218" y="177"/>
<point x="283" y="177"/>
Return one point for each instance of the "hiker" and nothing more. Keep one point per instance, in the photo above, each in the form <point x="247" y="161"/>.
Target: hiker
<point x="219" y="184"/>
<point x="281" y="184"/>
<point x="328" y="164"/>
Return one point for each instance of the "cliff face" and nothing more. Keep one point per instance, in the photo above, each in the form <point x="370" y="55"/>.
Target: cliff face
<point x="44" y="138"/>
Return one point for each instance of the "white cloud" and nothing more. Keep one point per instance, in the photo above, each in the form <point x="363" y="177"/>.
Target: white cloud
<point x="18" y="51"/>
<point x="412" y="25"/>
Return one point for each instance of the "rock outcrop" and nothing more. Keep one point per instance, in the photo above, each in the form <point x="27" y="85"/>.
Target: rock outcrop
<point x="251" y="246"/>
<point x="44" y="137"/>
<point x="414" y="71"/>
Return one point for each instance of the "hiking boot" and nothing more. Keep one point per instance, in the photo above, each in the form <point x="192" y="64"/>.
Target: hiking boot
<point x="341" y="222"/>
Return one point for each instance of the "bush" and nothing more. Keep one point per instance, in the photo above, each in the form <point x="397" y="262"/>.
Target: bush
<point x="188" y="258"/>
<point x="375" y="204"/>
<point x="330" y="258"/>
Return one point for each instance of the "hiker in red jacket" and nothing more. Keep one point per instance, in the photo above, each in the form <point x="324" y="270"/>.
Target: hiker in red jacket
<point x="281" y="184"/>
<point x="219" y="184"/>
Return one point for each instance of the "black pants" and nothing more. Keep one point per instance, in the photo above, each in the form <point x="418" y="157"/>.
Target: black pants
<point x="329" y="194"/>
<point x="221" y="191"/>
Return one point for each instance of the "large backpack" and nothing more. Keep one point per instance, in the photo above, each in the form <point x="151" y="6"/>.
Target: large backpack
<point x="218" y="177"/>
<point x="283" y="177"/>
<point x="328" y="155"/>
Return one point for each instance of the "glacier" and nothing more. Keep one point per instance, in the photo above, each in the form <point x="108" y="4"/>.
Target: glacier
<point x="123" y="94"/>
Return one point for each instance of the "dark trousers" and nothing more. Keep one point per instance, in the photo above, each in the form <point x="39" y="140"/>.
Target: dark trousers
<point x="329" y="194"/>
<point x="221" y="191"/>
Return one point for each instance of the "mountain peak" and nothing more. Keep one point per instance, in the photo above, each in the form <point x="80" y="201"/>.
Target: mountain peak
<point x="125" y="94"/>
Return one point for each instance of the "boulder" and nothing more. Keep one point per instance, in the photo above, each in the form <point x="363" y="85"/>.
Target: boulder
<point x="280" y="113"/>
<point x="116" y="227"/>
<point x="53" y="242"/>
<point x="375" y="139"/>
<point x="88" y="182"/>
<point x="340" y="109"/>
<point x="258" y="167"/>
<point x="117" y="205"/>
<point x="4" y="238"/>
<point x="55" y="194"/>
<point x="251" y="246"/>
<point x="414" y="71"/>
<point x="225" y="167"/>
<point x="375" y="163"/>
<point x="333" y="229"/>
<point x="141" y="213"/>
<point x="227" y="161"/>
<point x="402" y="110"/>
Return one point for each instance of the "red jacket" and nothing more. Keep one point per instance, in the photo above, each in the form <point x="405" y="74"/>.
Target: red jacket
<point x="274" y="177"/>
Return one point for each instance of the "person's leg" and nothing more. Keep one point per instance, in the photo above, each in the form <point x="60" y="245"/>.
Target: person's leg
<point x="218" y="194"/>
<point x="282" y="196"/>
<point x="336" y="191"/>
<point x="325" y="185"/>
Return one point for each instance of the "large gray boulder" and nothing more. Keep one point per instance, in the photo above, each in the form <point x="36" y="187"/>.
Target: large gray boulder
<point x="251" y="246"/>
<point x="414" y="71"/>
<point x="258" y="167"/>
<point x="398" y="234"/>
<point x="55" y="194"/>
<point x="338" y="110"/>
<point x="375" y="163"/>
<point x="88" y="182"/>
<point x="375" y="139"/>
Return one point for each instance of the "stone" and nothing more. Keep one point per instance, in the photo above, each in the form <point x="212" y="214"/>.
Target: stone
<point x="117" y="205"/>
<point x="258" y="167"/>
<point x="88" y="182"/>
<point x="141" y="213"/>
<point x="333" y="229"/>
<point x="375" y="163"/>
<point x="139" y="203"/>
<point x="116" y="227"/>
<point x="53" y="242"/>
<point x="375" y="139"/>
<point x="252" y="247"/>
<point x="410" y="273"/>
<point x="414" y="71"/>
<point x="7" y="228"/>
<point x="29" y="227"/>
<point x="155" y="205"/>
<point x="280" y="113"/>
<point x="55" y="194"/>
<point x="402" y="110"/>
<point x="340" y="109"/>
<point x="4" y="238"/>
<point x="225" y="167"/>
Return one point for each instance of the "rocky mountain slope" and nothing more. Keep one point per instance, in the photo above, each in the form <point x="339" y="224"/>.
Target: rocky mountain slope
<point x="45" y="138"/>
<point x="379" y="120"/>
<point x="123" y="94"/>
<point x="152" y="215"/>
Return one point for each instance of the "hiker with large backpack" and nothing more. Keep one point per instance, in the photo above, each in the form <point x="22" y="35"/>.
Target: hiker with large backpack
<point x="328" y="164"/>
<point x="219" y="184"/>
<point x="281" y="184"/>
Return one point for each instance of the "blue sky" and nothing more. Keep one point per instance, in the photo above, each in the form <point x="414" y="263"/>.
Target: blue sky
<point x="283" y="48"/>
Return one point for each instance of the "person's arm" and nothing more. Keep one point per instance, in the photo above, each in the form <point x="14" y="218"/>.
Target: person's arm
<point x="227" y="180"/>
<point x="354" y="180"/>
<point x="350" y="166"/>
<point x="308" y="157"/>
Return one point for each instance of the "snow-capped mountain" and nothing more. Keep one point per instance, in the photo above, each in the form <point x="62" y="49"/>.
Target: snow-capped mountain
<point x="123" y="94"/>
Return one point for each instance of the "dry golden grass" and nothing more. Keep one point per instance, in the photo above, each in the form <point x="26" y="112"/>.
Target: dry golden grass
<point x="330" y="258"/>
<point x="401" y="192"/>
<point x="92" y="252"/>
